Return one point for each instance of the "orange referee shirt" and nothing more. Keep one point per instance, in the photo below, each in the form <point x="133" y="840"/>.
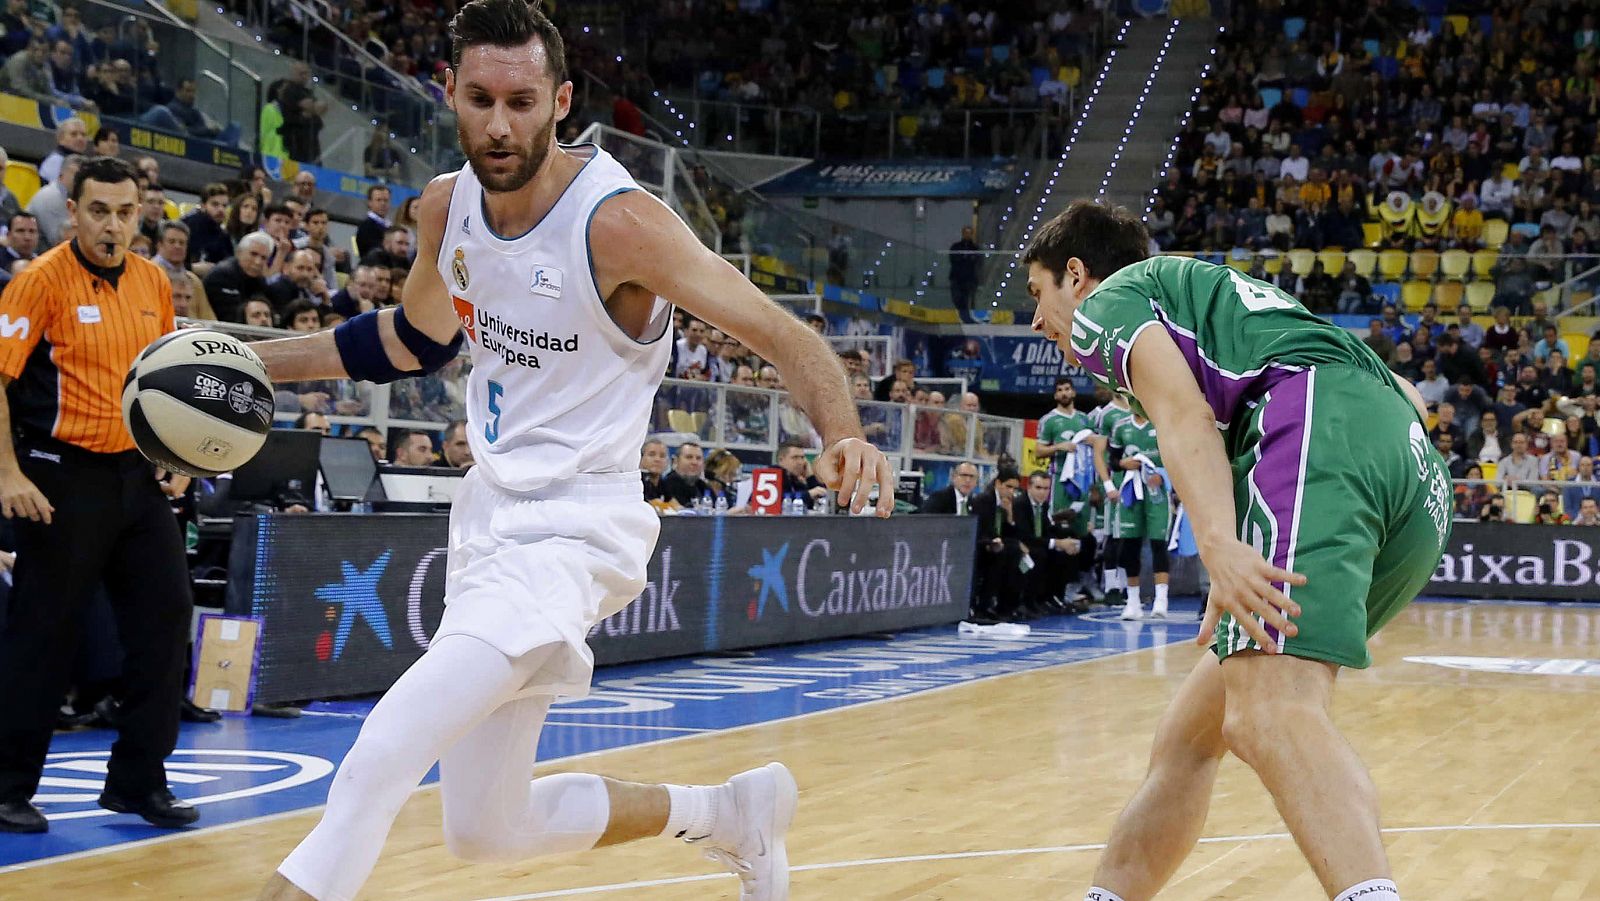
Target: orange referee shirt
<point x="69" y="332"/>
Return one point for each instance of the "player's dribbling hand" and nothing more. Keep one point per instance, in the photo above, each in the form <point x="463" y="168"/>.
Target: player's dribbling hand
<point x="852" y="467"/>
<point x="19" y="497"/>
<point x="1242" y="584"/>
<point x="173" y="484"/>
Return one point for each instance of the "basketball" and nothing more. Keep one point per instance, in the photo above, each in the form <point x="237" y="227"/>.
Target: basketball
<point x="198" y="402"/>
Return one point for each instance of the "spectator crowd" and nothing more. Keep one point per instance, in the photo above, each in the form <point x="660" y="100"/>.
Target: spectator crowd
<point x="1512" y="408"/>
<point x="1326" y="127"/>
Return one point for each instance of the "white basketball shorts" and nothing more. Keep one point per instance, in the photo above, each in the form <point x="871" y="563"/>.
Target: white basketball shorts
<point x="539" y="568"/>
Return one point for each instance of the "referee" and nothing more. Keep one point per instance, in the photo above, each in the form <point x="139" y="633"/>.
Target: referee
<point x="86" y="506"/>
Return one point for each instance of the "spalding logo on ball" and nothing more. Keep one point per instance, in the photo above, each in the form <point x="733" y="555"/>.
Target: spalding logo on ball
<point x="198" y="402"/>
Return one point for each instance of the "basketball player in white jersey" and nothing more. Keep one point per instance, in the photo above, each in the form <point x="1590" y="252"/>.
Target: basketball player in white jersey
<point x="561" y="275"/>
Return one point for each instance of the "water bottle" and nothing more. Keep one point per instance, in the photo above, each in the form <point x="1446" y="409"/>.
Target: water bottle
<point x="824" y="505"/>
<point x="722" y="505"/>
<point x="798" y="506"/>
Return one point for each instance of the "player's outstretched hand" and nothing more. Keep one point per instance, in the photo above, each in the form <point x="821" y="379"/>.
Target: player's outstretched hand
<point x="1242" y="583"/>
<point x="852" y="467"/>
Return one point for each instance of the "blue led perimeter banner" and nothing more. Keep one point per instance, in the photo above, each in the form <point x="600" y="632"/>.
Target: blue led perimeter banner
<point x="1004" y="365"/>
<point x="349" y="601"/>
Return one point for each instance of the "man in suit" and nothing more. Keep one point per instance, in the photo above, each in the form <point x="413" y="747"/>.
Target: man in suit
<point x="369" y="234"/>
<point x="957" y="497"/>
<point x="1059" y="556"/>
<point x="998" y="569"/>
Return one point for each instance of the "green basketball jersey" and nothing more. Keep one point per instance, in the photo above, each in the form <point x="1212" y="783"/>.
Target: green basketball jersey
<point x="1133" y="438"/>
<point x="1056" y="427"/>
<point x="1239" y="335"/>
<point x="1104" y="419"/>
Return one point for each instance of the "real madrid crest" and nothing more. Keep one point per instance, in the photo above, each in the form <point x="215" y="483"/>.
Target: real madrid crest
<point x="458" y="269"/>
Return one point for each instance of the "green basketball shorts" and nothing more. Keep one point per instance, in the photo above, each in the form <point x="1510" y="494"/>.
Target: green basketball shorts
<point x="1334" y="478"/>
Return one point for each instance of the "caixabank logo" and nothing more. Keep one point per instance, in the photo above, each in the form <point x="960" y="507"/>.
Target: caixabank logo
<point x="817" y="579"/>
<point x="1520" y="561"/>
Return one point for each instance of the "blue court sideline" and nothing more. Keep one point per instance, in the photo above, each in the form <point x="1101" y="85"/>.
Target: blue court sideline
<point x="248" y="767"/>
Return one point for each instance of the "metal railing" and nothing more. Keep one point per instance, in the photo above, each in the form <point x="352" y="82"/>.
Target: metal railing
<point x="660" y="169"/>
<point x="931" y="130"/>
<point x="229" y="90"/>
<point x="759" y="419"/>
<point x="1521" y="501"/>
<point x="419" y="125"/>
<point x="732" y="416"/>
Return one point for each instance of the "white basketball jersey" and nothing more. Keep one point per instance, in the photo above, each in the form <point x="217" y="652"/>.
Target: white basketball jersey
<point x="557" y="387"/>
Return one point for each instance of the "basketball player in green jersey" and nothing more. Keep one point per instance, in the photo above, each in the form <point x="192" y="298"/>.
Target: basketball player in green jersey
<point x="1057" y="430"/>
<point x="1319" y="507"/>
<point x="1148" y="518"/>
<point x="1106" y="418"/>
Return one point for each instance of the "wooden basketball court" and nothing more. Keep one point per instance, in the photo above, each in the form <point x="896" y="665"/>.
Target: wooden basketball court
<point x="1003" y="788"/>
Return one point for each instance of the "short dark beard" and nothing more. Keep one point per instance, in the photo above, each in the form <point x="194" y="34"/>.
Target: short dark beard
<point x="532" y="159"/>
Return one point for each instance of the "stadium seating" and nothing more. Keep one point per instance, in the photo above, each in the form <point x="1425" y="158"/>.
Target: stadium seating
<point x="1416" y="295"/>
<point x="1455" y="264"/>
<point x="1479" y="295"/>
<point x="22" y="180"/>
<point x="1366" y="261"/>
<point x="1301" y="261"/>
<point x="1392" y="264"/>
<point x="1423" y="259"/>
<point x="1424" y="263"/>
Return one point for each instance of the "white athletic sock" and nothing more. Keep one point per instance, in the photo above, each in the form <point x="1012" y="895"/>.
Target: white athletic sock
<point x="1371" y="890"/>
<point x="1161" y="598"/>
<point x="1133" y="597"/>
<point x="1110" y="580"/>
<point x="1101" y="894"/>
<point x="692" y="814"/>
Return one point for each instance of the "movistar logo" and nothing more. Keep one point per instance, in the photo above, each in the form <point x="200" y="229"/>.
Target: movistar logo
<point x="12" y="328"/>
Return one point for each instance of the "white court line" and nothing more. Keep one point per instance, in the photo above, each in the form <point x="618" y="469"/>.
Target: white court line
<point x="549" y="723"/>
<point x="1001" y="852"/>
<point x="563" y="761"/>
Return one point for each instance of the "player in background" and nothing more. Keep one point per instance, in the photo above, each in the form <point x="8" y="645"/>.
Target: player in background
<point x="1105" y="418"/>
<point x="1067" y="438"/>
<point x="1319" y="508"/>
<point x="1144" y="512"/>
<point x="561" y="276"/>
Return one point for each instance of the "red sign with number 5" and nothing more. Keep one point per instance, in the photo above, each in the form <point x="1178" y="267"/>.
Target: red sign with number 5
<point x="766" y="491"/>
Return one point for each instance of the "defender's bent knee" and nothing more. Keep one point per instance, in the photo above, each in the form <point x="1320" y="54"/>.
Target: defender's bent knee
<point x="556" y="814"/>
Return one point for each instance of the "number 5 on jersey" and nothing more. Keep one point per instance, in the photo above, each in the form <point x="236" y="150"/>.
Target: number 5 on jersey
<point x="491" y="430"/>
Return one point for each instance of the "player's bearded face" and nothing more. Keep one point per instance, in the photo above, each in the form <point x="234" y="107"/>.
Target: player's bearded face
<point x="504" y="165"/>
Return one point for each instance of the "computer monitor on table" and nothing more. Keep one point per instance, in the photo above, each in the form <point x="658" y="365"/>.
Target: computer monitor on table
<point x="348" y="470"/>
<point x="284" y="470"/>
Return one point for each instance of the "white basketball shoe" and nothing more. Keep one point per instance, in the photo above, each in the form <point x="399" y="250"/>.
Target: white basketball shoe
<point x="750" y="842"/>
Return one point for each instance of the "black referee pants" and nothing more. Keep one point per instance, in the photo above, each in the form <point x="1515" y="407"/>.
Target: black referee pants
<point x="111" y="525"/>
